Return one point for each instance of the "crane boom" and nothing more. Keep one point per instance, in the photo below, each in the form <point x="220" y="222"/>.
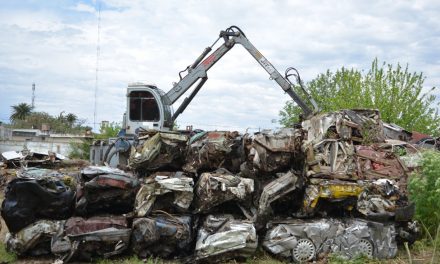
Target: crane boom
<point x="198" y="71"/>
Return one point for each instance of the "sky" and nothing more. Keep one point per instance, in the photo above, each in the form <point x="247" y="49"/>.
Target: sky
<point x="54" y="45"/>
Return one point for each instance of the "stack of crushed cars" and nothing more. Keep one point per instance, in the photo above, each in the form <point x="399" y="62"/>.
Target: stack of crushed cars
<point x="331" y="185"/>
<point x="29" y="158"/>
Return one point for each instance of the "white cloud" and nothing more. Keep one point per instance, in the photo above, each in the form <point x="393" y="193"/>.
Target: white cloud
<point x="153" y="40"/>
<point x="81" y="7"/>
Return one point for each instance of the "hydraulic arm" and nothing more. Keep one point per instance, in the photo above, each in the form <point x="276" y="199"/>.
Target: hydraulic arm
<point x="198" y="71"/>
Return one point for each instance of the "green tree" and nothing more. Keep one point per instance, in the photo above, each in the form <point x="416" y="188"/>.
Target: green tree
<point x="20" y="112"/>
<point x="80" y="150"/>
<point x="395" y="91"/>
<point x="61" y="116"/>
<point x="108" y="131"/>
<point x="71" y="119"/>
<point x="56" y="124"/>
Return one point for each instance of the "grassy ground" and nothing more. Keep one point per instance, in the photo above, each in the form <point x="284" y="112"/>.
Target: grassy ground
<point x="421" y="252"/>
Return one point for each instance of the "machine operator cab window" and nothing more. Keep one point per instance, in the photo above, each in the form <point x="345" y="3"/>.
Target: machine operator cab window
<point x="143" y="107"/>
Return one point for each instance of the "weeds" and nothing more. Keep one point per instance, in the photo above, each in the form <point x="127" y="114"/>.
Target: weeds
<point x="424" y="188"/>
<point x="338" y="259"/>
<point x="5" y="256"/>
<point x="134" y="260"/>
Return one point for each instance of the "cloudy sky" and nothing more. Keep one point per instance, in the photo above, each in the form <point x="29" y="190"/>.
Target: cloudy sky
<point x="53" y="43"/>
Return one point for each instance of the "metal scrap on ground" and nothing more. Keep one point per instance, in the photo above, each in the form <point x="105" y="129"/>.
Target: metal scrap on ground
<point x="333" y="185"/>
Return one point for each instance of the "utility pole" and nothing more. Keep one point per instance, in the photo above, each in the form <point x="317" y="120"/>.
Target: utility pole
<point x="98" y="51"/>
<point x="33" y="95"/>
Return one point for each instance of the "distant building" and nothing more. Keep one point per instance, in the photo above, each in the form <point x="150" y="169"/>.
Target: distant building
<point x="37" y="140"/>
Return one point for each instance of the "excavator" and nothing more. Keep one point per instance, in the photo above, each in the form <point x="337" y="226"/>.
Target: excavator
<point x="150" y="108"/>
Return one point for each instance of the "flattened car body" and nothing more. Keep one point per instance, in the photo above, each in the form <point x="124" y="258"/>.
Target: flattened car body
<point x="214" y="149"/>
<point x="274" y="190"/>
<point x="358" y="125"/>
<point x="156" y="186"/>
<point x="308" y="240"/>
<point x="222" y="237"/>
<point x="214" y="188"/>
<point x="161" y="151"/>
<point x="374" y="163"/>
<point x="107" y="191"/>
<point x="384" y="200"/>
<point x="36" y="194"/>
<point x="162" y="235"/>
<point x="91" y="238"/>
<point x="274" y="151"/>
<point x="318" y="190"/>
<point x="34" y="239"/>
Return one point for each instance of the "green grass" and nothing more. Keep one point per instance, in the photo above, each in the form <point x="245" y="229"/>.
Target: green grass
<point x="127" y="260"/>
<point x="5" y="256"/>
<point x="133" y="260"/>
<point x="336" y="259"/>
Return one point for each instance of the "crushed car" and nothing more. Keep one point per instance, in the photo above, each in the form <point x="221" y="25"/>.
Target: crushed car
<point x="164" y="150"/>
<point x="163" y="235"/>
<point x="92" y="238"/>
<point x="304" y="241"/>
<point x="275" y="151"/>
<point x="106" y="190"/>
<point x="214" y="188"/>
<point x="155" y="192"/>
<point x="34" y="239"/>
<point x="37" y="194"/>
<point x="31" y="158"/>
<point x="336" y="183"/>
<point x="221" y="237"/>
<point x="214" y="149"/>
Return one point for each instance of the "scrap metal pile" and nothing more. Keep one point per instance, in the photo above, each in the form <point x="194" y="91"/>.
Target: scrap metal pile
<point x="332" y="185"/>
<point x="29" y="157"/>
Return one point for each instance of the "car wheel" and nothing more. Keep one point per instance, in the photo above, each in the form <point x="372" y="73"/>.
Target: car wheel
<point x="304" y="250"/>
<point x="365" y="248"/>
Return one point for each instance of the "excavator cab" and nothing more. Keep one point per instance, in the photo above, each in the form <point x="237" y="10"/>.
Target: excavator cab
<point x="145" y="109"/>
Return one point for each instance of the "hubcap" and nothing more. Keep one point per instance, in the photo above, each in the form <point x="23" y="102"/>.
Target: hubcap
<point x="304" y="250"/>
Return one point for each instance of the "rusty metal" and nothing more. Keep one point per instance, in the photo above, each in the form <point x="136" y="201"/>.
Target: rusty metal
<point x="222" y="237"/>
<point x="160" y="184"/>
<point x="163" y="235"/>
<point x="89" y="239"/>
<point x="215" y="188"/>
<point x="214" y="149"/>
<point x="334" y="165"/>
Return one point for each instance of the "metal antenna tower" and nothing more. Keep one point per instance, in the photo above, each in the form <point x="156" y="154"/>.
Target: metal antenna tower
<point x="33" y="95"/>
<point x="98" y="50"/>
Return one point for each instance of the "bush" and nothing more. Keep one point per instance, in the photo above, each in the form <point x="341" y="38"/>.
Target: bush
<point x="424" y="188"/>
<point x="80" y="150"/>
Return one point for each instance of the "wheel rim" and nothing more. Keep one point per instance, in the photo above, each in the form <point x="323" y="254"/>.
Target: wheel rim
<point x="365" y="248"/>
<point x="304" y="250"/>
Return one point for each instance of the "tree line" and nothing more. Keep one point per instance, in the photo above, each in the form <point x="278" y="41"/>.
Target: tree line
<point x="397" y="93"/>
<point x="24" y="116"/>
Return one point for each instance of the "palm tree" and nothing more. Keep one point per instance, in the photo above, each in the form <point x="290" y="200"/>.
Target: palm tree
<point x="71" y="119"/>
<point x="20" y="112"/>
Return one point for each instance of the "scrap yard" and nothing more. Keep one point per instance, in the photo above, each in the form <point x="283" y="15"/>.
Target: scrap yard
<point x="299" y="194"/>
<point x="326" y="185"/>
